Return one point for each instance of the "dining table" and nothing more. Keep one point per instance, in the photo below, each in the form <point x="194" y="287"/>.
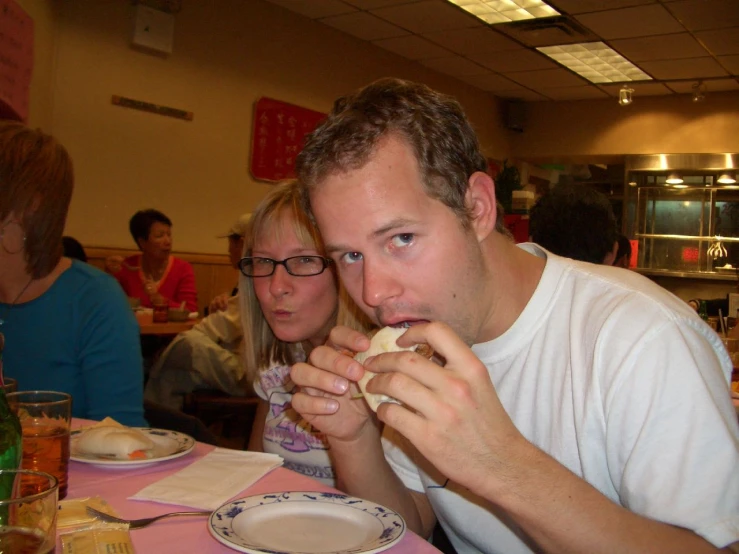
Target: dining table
<point x="187" y="534"/>
<point x="170" y="328"/>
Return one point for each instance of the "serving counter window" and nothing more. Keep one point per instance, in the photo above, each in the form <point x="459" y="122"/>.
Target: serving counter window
<point x="690" y="227"/>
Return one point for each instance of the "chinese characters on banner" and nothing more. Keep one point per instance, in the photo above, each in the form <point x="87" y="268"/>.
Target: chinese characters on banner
<point x="16" y="60"/>
<point x="278" y="135"/>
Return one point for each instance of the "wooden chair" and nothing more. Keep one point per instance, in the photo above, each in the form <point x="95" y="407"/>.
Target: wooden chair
<point x="229" y="417"/>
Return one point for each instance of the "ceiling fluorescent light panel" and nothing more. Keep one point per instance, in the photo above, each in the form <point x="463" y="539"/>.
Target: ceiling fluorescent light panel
<point x="595" y="61"/>
<point x="506" y="11"/>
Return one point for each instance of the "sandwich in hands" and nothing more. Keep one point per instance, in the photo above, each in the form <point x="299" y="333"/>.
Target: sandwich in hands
<point x="382" y="341"/>
<point x="113" y="440"/>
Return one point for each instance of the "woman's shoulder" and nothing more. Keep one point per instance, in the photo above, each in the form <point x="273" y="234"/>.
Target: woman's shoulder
<point x="181" y="267"/>
<point x="180" y="263"/>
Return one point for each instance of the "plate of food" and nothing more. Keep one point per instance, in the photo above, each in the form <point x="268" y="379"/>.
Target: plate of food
<point x="111" y="444"/>
<point x="318" y="523"/>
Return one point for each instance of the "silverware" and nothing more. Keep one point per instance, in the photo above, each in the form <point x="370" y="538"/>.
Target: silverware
<point x="143" y="522"/>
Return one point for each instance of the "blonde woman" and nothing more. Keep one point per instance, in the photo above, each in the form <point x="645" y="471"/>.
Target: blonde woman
<point x="291" y="299"/>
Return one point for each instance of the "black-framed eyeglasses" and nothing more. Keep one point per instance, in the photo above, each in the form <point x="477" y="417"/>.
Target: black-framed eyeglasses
<point x="299" y="266"/>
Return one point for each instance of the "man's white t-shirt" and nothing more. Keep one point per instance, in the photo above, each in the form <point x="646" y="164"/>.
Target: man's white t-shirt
<point x="623" y="384"/>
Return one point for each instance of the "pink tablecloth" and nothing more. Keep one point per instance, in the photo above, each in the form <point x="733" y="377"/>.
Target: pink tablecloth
<point x="186" y="534"/>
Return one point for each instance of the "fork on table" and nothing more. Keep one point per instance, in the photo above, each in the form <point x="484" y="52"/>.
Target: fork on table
<point x="143" y="522"/>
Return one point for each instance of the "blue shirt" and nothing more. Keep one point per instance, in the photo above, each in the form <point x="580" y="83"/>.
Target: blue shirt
<point x="79" y="337"/>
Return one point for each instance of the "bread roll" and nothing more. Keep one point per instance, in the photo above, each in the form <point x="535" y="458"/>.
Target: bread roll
<point x="383" y="341"/>
<point x="113" y="441"/>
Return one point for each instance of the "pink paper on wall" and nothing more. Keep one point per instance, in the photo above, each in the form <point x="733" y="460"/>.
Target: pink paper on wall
<point x="16" y="60"/>
<point x="278" y="136"/>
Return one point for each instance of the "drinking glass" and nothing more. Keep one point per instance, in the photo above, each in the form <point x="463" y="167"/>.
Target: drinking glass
<point x="45" y="421"/>
<point x="11" y="385"/>
<point x="28" y="511"/>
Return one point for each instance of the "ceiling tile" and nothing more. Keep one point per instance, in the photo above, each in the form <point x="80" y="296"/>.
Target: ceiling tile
<point x="374" y="4"/>
<point x="455" y="66"/>
<point x="479" y="40"/>
<point x="546" y="78"/>
<point x="490" y="81"/>
<point x="662" y="47"/>
<point x="364" y="25"/>
<point x="685" y="87"/>
<point x="731" y="63"/>
<point x="721" y="42"/>
<point x="315" y="8"/>
<point x="515" y="60"/>
<point x="691" y="68"/>
<point x="639" y="21"/>
<point x="428" y="16"/>
<point x="640" y="89"/>
<point x="585" y="6"/>
<point x="521" y="94"/>
<point x="700" y="15"/>
<point x="573" y="93"/>
<point x="412" y="47"/>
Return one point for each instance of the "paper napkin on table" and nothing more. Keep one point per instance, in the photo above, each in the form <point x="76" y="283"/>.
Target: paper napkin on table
<point x="212" y="480"/>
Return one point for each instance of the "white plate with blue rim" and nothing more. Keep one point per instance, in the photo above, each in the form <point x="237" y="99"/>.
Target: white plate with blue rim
<point x="168" y="445"/>
<point x="306" y="523"/>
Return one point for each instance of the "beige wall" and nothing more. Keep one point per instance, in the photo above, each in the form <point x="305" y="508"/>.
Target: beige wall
<point x="45" y="15"/>
<point x="651" y="125"/>
<point x="227" y="54"/>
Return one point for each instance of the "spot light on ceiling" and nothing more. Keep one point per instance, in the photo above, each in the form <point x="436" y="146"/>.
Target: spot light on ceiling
<point x="624" y="95"/>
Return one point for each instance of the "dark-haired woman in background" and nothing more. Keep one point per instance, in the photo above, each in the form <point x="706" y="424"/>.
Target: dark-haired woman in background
<point x="155" y="272"/>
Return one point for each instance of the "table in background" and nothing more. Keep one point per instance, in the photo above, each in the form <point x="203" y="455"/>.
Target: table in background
<point x="171" y="328"/>
<point x="187" y="534"/>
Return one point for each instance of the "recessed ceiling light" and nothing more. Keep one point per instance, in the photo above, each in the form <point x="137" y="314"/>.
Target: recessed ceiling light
<point x="595" y="61"/>
<point x="727" y="179"/>
<point x="505" y="11"/>
<point x="674" y="179"/>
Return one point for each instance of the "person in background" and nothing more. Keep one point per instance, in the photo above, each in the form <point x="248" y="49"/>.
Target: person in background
<point x="290" y="300"/>
<point x="73" y="249"/>
<point x="576" y="222"/>
<point x="623" y="255"/>
<point x="154" y="274"/>
<point x="235" y="238"/>
<point x="575" y="408"/>
<point x="210" y="355"/>
<point x="67" y="325"/>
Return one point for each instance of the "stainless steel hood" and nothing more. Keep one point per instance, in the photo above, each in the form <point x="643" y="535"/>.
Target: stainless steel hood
<point x="694" y="162"/>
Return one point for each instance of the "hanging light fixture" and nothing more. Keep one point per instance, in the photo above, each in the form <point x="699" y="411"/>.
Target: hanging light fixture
<point x="674" y="179"/>
<point x="727" y="178"/>
<point x="624" y="95"/>
<point x="699" y="92"/>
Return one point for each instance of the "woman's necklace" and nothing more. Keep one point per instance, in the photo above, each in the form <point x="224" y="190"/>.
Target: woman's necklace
<point x="154" y="275"/>
<point x="15" y="300"/>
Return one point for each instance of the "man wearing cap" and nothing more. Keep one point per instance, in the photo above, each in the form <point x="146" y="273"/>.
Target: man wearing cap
<point x="208" y="356"/>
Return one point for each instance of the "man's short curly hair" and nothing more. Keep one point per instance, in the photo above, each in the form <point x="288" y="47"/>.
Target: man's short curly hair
<point x="431" y="123"/>
<point x="574" y="221"/>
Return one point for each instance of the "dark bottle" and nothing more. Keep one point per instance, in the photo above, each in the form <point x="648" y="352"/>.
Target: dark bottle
<point x="10" y="438"/>
<point x="703" y="310"/>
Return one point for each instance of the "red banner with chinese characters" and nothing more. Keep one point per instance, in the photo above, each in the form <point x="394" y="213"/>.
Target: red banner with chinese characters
<point x="16" y="60"/>
<point x="278" y="135"/>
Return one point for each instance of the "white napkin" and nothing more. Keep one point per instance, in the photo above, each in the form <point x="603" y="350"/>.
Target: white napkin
<point x="212" y="480"/>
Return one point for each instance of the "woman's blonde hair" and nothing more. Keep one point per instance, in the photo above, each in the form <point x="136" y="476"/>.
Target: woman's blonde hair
<point x="36" y="182"/>
<point x="261" y="346"/>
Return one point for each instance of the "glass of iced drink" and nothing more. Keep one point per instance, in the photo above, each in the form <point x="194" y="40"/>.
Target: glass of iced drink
<point x="45" y="421"/>
<point x="28" y="511"/>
